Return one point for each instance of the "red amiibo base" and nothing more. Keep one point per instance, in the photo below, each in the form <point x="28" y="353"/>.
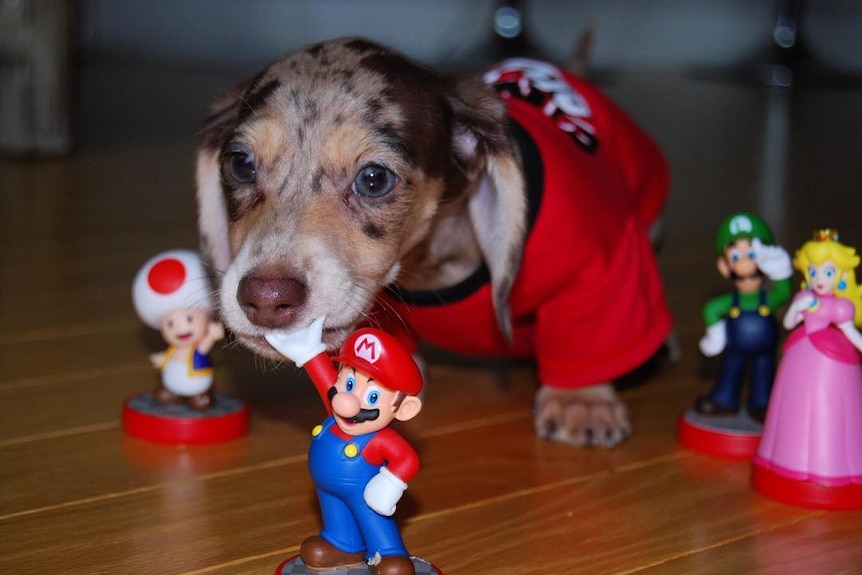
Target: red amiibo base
<point x="144" y="418"/>
<point x="803" y="493"/>
<point x="731" y="437"/>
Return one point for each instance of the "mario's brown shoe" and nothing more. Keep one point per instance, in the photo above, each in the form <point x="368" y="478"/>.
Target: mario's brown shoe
<point x="393" y="565"/>
<point x="319" y="554"/>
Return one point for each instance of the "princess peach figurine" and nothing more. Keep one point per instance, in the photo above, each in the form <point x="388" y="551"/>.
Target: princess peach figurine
<point x="810" y="453"/>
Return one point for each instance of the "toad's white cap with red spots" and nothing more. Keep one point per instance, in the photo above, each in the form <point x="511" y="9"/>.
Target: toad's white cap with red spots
<point x="172" y="281"/>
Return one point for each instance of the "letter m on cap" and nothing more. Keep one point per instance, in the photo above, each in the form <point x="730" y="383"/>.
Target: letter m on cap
<point x="367" y="347"/>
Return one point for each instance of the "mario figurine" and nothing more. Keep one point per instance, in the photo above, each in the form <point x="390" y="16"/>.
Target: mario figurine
<point x="360" y="465"/>
<point x="171" y="293"/>
<point x="742" y="326"/>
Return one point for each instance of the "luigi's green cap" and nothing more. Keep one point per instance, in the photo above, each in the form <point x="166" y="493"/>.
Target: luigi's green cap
<point x="741" y="225"/>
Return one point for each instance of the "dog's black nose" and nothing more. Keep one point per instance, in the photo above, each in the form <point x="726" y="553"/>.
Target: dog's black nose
<point x="270" y="302"/>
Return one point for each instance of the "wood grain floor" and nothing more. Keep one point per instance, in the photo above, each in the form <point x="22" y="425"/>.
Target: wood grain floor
<point x="77" y="496"/>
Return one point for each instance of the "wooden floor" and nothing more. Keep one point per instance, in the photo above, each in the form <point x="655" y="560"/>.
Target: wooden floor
<point x="77" y="496"/>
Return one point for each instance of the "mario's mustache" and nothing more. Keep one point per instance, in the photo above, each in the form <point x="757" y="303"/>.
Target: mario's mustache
<point x="363" y="415"/>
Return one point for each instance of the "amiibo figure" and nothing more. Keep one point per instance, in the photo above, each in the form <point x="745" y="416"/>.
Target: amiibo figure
<point x="171" y="293"/>
<point x="811" y="450"/>
<point x="360" y="465"/>
<point x="741" y="326"/>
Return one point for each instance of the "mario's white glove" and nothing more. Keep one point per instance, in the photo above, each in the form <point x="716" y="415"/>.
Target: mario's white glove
<point x="715" y="340"/>
<point x="773" y="261"/>
<point x="794" y="312"/>
<point x="383" y="492"/>
<point x="301" y="345"/>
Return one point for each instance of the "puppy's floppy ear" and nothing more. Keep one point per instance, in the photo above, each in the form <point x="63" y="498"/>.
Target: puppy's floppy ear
<point x="487" y="155"/>
<point x="211" y="201"/>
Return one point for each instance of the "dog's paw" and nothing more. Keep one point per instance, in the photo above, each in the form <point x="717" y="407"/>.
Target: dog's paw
<point x="591" y="416"/>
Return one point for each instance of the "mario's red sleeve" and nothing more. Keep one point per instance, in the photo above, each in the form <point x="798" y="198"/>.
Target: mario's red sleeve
<point x="390" y="449"/>
<point x="322" y="372"/>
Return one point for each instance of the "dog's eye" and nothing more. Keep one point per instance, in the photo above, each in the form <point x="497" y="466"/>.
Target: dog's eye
<point x="240" y="166"/>
<point x="374" y="182"/>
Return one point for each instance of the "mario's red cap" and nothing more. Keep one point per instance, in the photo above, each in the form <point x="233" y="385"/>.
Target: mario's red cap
<point x="382" y="357"/>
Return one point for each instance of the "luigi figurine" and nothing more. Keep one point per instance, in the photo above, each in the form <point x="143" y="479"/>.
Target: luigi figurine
<point x="741" y="324"/>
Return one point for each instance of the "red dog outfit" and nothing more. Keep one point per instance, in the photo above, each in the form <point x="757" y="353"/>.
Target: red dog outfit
<point x="587" y="302"/>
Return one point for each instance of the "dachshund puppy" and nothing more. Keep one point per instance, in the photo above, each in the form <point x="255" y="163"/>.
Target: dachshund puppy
<point x="500" y="216"/>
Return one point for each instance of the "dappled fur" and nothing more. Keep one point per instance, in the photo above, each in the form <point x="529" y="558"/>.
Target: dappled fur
<point x="309" y="124"/>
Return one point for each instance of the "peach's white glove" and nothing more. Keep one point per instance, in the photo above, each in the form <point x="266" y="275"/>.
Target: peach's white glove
<point x="715" y="340"/>
<point x="773" y="261"/>
<point x="383" y="492"/>
<point x="301" y="345"/>
<point x="794" y="312"/>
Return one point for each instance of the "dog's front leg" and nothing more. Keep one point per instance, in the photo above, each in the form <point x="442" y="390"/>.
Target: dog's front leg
<point x="586" y="416"/>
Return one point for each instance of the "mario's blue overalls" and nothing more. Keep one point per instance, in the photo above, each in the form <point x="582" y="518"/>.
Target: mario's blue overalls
<point x="340" y="474"/>
<point x="752" y="336"/>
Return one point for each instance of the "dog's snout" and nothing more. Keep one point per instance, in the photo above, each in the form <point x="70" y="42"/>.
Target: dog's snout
<point x="271" y="302"/>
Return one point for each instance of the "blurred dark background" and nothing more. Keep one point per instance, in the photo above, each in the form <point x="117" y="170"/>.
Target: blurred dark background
<point x="66" y="65"/>
<point x="662" y="33"/>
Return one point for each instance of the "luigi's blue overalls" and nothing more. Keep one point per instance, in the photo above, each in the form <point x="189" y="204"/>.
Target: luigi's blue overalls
<point x="340" y="475"/>
<point x="752" y="336"/>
